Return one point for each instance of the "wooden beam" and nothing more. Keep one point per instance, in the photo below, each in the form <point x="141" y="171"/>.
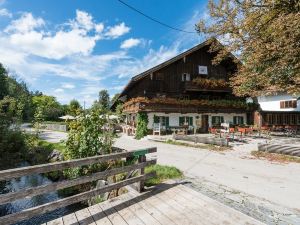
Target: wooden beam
<point x="29" y="213"/>
<point x="30" y="192"/>
<point x="44" y="168"/>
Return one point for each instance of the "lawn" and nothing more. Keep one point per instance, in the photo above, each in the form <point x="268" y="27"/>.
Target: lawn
<point x="162" y="173"/>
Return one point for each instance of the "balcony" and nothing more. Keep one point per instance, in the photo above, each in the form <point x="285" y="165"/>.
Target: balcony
<point x="169" y="105"/>
<point x="207" y="85"/>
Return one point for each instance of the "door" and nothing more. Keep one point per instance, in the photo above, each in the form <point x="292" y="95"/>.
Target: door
<point x="204" y="119"/>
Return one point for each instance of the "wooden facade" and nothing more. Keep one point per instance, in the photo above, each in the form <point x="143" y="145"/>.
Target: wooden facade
<point x="187" y="84"/>
<point x="168" y="79"/>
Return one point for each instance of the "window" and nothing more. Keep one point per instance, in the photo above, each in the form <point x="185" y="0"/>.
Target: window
<point x="238" y="120"/>
<point x="288" y="104"/>
<point x="185" y="77"/>
<point x="163" y="120"/>
<point x="159" y="76"/>
<point x="185" y="120"/>
<point x="217" y="120"/>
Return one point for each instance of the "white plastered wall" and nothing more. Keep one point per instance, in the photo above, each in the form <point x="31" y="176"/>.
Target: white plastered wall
<point x="174" y="117"/>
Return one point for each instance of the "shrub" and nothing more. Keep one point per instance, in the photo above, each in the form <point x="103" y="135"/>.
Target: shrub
<point x="89" y="135"/>
<point x="142" y="122"/>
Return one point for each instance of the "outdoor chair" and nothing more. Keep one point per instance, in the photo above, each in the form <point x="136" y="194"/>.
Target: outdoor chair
<point x="156" y="129"/>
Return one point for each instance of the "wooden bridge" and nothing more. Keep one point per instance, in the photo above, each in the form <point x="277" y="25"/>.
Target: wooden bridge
<point x="168" y="203"/>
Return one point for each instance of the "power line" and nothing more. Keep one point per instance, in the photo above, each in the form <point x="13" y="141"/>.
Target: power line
<point x="155" y="20"/>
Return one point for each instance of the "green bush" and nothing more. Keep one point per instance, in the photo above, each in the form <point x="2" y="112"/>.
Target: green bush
<point x="89" y="135"/>
<point x="142" y="122"/>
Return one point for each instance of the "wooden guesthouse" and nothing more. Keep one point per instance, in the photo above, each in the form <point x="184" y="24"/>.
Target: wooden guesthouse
<point x="186" y="91"/>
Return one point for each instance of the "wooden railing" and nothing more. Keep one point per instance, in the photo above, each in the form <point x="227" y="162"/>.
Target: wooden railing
<point x="140" y="155"/>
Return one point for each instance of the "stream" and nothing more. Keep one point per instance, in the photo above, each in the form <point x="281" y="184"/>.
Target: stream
<point x="19" y="205"/>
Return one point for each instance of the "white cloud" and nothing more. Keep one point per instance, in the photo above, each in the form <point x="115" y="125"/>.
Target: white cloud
<point x="25" y="24"/>
<point x="59" y="90"/>
<point x="5" y="12"/>
<point x="129" y="43"/>
<point x="117" y="30"/>
<point x="68" y="86"/>
<point x="25" y="34"/>
<point x="84" y="20"/>
<point x="99" y="27"/>
<point x="33" y="51"/>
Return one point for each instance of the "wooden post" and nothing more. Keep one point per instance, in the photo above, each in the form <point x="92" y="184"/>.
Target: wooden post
<point x="141" y="184"/>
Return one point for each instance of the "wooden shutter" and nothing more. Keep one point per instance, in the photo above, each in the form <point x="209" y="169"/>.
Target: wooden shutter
<point x="167" y="121"/>
<point x="191" y="121"/>
<point x="221" y="119"/>
<point x="234" y="120"/>
<point x="213" y="120"/>
<point x="242" y="120"/>
<point x="294" y="104"/>
<point x="282" y="104"/>
<point x="181" y="121"/>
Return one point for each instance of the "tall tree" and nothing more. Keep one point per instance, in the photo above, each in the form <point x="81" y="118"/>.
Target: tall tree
<point x="48" y="106"/>
<point x="3" y="82"/>
<point x="74" y="107"/>
<point x="265" y="35"/>
<point x="104" y="99"/>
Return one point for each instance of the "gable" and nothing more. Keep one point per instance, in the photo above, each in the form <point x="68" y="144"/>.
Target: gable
<point x="186" y="62"/>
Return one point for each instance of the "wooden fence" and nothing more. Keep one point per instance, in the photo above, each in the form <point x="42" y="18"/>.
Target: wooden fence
<point x="140" y="155"/>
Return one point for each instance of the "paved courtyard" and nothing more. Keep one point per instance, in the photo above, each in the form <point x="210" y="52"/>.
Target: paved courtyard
<point x="267" y="191"/>
<point x="251" y="181"/>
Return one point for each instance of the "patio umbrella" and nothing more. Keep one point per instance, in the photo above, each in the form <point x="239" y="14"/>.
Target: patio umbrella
<point x="67" y="117"/>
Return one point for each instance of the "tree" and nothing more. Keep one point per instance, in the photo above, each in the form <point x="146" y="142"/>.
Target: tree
<point x="74" y="108"/>
<point x="115" y="99"/>
<point x="48" y="106"/>
<point x="104" y="99"/>
<point x="265" y="35"/>
<point x="3" y="82"/>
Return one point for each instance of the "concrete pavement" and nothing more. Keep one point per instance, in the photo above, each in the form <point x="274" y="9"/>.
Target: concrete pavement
<point x="278" y="183"/>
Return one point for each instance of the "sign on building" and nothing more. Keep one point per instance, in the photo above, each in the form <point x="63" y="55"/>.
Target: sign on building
<point x="203" y="70"/>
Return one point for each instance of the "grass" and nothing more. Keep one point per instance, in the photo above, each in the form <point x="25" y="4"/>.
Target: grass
<point x="51" y="146"/>
<point x="275" y="157"/>
<point x="162" y="173"/>
<point x="210" y="147"/>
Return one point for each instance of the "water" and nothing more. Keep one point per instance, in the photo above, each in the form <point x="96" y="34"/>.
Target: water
<point x="19" y="205"/>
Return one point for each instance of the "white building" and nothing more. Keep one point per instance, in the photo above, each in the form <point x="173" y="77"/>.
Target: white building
<point x="278" y="110"/>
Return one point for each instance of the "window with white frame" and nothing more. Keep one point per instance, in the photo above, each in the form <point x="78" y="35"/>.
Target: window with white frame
<point x="185" y="77"/>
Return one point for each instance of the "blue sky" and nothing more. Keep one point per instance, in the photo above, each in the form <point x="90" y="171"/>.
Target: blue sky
<point x="73" y="49"/>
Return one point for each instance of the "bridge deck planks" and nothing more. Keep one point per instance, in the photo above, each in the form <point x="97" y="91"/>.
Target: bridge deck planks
<point x="168" y="204"/>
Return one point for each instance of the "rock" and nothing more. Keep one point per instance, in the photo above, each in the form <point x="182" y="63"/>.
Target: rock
<point x="55" y="156"/>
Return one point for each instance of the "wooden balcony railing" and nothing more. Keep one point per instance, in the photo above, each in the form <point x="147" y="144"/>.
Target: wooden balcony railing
<point x="190" y="86"/>
<point x="140" y="155"/>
